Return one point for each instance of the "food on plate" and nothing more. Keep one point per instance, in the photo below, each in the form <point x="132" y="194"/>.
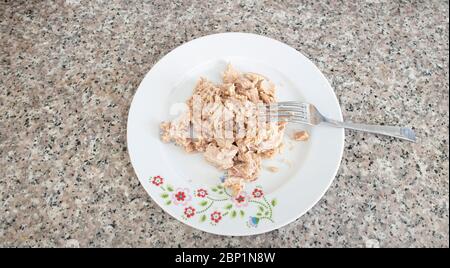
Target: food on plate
<point x="222" y="122"/>
<point x="273" y="169"/>
<point x="287" y="162"/>
<point x="301" y="136"/>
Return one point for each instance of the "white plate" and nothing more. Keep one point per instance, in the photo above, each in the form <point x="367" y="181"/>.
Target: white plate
<point x="187" y="187"/>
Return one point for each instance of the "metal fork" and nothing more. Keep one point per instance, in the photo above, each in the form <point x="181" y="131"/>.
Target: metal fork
<point x="305" y="113"/>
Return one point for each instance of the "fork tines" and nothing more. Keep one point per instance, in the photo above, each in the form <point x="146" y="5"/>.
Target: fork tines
<point x="291" y="111"/>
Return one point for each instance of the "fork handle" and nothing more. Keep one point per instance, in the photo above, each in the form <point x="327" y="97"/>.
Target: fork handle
<point x="393" y="131"/>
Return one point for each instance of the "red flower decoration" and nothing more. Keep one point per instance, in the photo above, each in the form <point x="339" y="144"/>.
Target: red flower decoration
<point x="240" y="199"/>
<point x="157" y="180"/>
<point x="202" y="193"/>
<point x="189" y="212"/>
<point x="216" y="216"/>
<point x="180" y="196"/>
<point x="257" y="193"/>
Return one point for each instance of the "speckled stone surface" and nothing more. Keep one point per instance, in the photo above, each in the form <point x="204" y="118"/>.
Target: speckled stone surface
<point x="69" y="69"/>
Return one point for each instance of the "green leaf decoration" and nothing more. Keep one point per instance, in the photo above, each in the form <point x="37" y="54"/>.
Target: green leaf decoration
<point x="229" y="206"/>
<point x="214" y="189"/>
<point x="258" y="214"/>
<point x="242" y="213"/>
<point x="274" y="202"/>
<point x="169" y="188"/>
<point x="203" y="203"/>
<point x="261" y="208"/>
<point x="220" y="192"/>
<point x="219" y="187"/>
<point x="168" y="202"/>
<point x="203" y="218"/>
<point x="164" y="195"/>
<point x="233" y="214"/>
<point x="266" y="213"/>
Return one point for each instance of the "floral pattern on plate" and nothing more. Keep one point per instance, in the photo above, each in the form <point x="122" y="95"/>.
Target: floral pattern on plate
<point x="198" y="204"/>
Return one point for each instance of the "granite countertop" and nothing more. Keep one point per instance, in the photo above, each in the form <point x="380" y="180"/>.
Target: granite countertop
<point x="69" y="71"/>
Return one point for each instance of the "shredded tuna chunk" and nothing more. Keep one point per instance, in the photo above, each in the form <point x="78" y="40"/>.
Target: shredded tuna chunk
<point x="219" y="156"/>
<point x="301" y="136"/>
<point x="273" y="169"/>
<point x="222" y="122"/>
